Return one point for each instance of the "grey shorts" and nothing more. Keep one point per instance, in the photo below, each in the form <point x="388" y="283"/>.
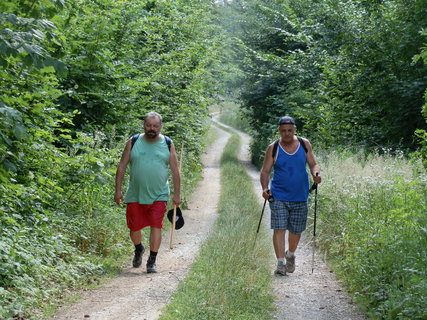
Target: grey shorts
<point x="289" y="215"/>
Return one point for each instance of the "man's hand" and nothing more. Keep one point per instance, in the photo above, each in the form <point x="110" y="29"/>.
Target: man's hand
<point x="266" y="194"/>
<point x="118" y="197"/>
<point x="317" y="178"/>
<point x="176" y="200"/>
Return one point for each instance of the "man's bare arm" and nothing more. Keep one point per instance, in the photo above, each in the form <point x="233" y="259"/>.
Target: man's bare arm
<point x="266" y="170"/>
<point x="176" y="176"/>
<point x="120" y="173"/>
<point x="311" y="160"/>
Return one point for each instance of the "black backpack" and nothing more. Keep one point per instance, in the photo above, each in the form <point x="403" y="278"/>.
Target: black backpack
<point x="136" y="136"/>
<point x="276" y="145"/>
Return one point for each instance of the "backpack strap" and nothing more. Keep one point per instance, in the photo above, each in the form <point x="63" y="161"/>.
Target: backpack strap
<point x="136" y="136"/>
<point x="168" y="141"/>
<point x="301" y="141"/>
<point x="276" y="145"/>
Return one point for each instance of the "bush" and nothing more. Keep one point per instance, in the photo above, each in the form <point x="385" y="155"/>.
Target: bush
<point x="374" y="229"/>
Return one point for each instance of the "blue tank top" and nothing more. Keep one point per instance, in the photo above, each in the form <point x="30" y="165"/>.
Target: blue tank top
<point x="290" y="178"/>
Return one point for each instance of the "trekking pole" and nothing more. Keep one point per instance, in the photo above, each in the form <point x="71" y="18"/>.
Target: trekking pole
<point x="262" y="213"/>
<point x="314" y="223"/>
<point x="174" y="206"/>
<point x="259" y="223"/>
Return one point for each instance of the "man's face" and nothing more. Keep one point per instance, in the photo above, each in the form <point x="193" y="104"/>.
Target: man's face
<point x="287" y="132"/>
<point x="152" y="127"/>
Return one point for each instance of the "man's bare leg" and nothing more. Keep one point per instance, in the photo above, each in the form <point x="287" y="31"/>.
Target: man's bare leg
<point x="136" y="237"/>
<point x="279" y="243"/>
<point x="279" y="248"/>
<point x="293" y="240"/>
<point x="155" y="239"/>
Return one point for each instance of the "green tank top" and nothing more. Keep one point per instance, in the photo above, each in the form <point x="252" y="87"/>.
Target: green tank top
<point x="149" y="172"/>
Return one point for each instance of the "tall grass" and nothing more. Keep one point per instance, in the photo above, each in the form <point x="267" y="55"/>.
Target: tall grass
<point x="373" y="227"/>
<point x="231" y="278"/>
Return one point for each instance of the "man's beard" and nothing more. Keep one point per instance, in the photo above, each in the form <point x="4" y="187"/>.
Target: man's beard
<point x="151" y="134"/>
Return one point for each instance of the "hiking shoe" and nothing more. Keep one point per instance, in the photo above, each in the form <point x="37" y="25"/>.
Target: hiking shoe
<point x="151" y="266"/>
<point x="290" y="263"/>
<point x="137" y="259"/>
<point x="281" y="269"/>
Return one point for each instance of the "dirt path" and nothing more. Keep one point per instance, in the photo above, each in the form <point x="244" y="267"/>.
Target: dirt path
<point x="136" y="295"/>
<point x="303" y="295"/>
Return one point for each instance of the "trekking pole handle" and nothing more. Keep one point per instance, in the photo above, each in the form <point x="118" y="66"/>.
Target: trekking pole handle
<point x="314" y="185"/>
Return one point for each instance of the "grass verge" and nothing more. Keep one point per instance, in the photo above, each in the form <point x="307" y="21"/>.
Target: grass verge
<point x="373" y="228"/>
<point x="229" y="279"/>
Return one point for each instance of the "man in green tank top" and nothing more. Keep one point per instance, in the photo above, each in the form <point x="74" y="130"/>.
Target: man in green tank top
<point x="148" y="192"/>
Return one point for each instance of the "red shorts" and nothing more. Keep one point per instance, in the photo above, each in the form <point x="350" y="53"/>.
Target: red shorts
<point x="139" y="216"/>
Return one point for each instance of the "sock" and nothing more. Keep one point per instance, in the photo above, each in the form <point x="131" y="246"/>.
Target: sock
<point x="153" y="256"/>
<point x="290" y="254"/>
<point x="139" y="247"/>
<point x="280" y="260"/>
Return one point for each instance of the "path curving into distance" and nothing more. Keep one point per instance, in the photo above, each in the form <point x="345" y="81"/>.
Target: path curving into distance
<point x="302" y="295"/>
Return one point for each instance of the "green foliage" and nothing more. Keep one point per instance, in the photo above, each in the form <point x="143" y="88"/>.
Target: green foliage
<point x="153" y="57"/>
<point x="372" y="225"/>
<point x="76" y="77"/>
<point x="344" y="69"/>
<point x="26" y="34"/>
<point x="53" y="220"/>
<point x="232" y="115"/>
<point x="421" y="135"/>
<point x="229" y="279"/>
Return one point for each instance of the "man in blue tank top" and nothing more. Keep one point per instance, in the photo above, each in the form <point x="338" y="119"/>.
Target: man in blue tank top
<point x="148" y="192"/>
<point x="288" y="191"/>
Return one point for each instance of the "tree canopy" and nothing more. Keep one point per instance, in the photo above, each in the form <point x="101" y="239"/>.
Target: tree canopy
<point x="344" y="69"/>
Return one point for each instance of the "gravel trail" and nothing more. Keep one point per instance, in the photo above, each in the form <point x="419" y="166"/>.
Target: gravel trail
<point x="136" y="295"/>
<point x="302" y="295"/>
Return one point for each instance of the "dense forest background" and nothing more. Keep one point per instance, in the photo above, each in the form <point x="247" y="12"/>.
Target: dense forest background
<point x="76" y="76"/>
<point x="350" y="72"/>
